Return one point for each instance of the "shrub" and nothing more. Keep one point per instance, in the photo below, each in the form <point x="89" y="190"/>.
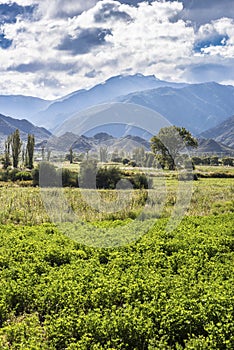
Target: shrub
<point x="45" y="175"/>
<point x="23" y="176"/>
<point x="140" y="181"/>
<point x="108" y="177"/>
<point x="228" y="161"/>
<point x="69" y="178"/>
<point x="87" y="175"/>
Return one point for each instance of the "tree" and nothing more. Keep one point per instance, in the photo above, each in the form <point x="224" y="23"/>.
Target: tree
<point x="87" y="175"/>
<point x="71" y="155"/>
<point x="16" y="145"/>
<point x="168" y="144"/>
<point x="139" y="156"/>
<point x="43" y="152"/>
<point x="214" y="160"/>
<point x="30" y="151"/>
<point x="197" y="160"/>
<point x="108" y="177"/>
<point x="7" y="159"/>
<point x="103" y="152"/>
<point x="228" y="161"/>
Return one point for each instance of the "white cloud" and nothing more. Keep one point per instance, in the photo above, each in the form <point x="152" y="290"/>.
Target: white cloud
<point x="221" y="27"/>
<point x="143" y="39"/>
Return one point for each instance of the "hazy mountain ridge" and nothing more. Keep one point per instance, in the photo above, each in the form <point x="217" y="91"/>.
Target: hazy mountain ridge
<point x="212" y="146"/>
<point x="223" y="132"/>
<point x="19" y="106"/>
<point x="82" y="144"/>
<point x="196" y="107"/>
<point x="63" y="108"/>
<point x="8" y="125"/>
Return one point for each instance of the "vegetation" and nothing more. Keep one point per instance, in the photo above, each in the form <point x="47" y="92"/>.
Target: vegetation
<point x="30" y="151"/>
<point x="6" y="158"/>
<point x="213" y="160"/>
<point x="165" y="291"/>
<point x="16" y="145"/>
<point x="168" y="144"/>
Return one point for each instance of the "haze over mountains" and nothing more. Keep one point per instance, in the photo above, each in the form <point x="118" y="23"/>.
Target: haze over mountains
<point x="126" y="142"/>
<point x="223" y="132"/>
<point x="8" y="125"/>
<point x="198" y="107"/>
<point x="18" y="106"/>
<point x="82" y="144"/>
<point x="51" y="113"/>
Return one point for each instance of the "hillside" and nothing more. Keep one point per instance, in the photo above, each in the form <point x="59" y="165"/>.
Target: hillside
<point x="223" y="132"/>
<point x="212" y="146"/>
<point x="82" y="144"/>
<point x="196" y="107"/>
<point x="18" y="106"/>
<point x="8" y="125"/>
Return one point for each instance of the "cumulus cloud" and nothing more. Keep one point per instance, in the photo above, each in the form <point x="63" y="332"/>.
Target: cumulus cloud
<point x="217" y="38"/>
<point x="200" y="12"/>
<point x="67" y="45"/>
<point x="86" y="40"/>
<point x="10" y="12"/>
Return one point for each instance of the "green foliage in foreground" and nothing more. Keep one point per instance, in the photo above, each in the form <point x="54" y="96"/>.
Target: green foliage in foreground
<point x="166" y="291"/>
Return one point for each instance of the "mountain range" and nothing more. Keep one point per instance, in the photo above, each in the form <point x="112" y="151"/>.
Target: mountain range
<point x="197" y="107"/>
<point x="8" y="125"/>
<point x="126" y="142"/>
<point x="212" y="146"/>
<point x="82" y="144"/>
<point x="223" y="132"/>
<point x="50" y="114"/>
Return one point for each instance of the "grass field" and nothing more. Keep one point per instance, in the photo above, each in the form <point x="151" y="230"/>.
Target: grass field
<point x="24" y="205"/>
<point x="161" y="290"/>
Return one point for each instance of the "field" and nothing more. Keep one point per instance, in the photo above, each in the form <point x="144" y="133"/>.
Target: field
<point x="162" y="289"/>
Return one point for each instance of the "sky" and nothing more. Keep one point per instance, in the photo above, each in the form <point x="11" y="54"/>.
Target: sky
<point x="51" y="48"/>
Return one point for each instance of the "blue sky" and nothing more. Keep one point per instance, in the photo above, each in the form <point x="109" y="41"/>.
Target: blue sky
<point x="49" y="49"/>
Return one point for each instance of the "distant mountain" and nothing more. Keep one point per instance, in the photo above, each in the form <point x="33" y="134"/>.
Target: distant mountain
<point x="8" y="125"/>
<point x="117" y="119"/>
<point x="61" y="109"/>
<point x="62" y="143"/>
<point x="212" y="146"/>
<point x="18" y="106"/>
<point x="223" y="132"/>
<point x="82" y="144"/>
<point x="197" y="107"/>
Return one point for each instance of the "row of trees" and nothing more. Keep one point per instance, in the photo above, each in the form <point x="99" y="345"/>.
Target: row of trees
<point x="90" y="176"/>
<point x="13" y="148"/>
<point x="213" y="160"/>
<point x="167" y="148"/>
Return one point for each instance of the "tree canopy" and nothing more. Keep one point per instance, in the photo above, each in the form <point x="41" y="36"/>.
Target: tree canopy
<point x="169" y="143"/>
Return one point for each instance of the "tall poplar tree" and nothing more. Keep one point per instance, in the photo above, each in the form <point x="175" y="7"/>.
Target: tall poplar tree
<point x="30" y="151"/>
<point x="16" y="145"/>
<point x="7" y="159"/>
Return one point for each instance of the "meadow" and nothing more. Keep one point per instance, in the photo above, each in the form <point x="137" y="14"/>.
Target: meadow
<point x="163" y="290"/>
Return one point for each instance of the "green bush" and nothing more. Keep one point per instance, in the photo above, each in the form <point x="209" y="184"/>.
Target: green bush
<point x="69" y="178"/>
<point x="108" y="177"/>
<point x="87" y="174"/>
<point x="23" y="176"/>
<point x="45" y="175"/>
<point x="140" y="181"/>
